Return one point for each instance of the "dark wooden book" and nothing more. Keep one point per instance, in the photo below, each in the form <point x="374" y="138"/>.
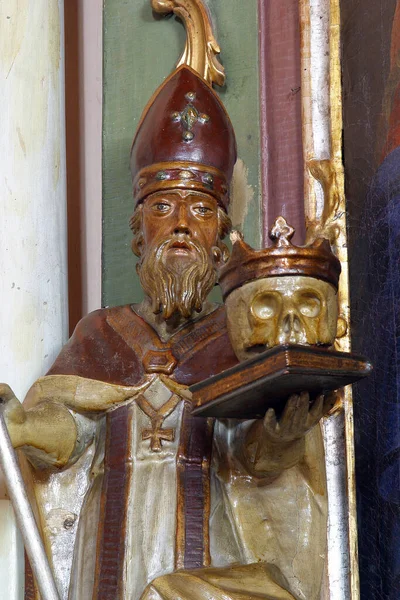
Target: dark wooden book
<point x="247" y="390"/>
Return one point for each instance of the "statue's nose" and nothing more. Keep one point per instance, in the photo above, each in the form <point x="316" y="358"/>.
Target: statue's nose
<point x="291" y="327"/>
<point x="182" y="224"/>
<point x="182" y="228"/>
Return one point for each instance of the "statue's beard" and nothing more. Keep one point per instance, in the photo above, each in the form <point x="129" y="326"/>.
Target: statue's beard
<point x="177" y="283"/>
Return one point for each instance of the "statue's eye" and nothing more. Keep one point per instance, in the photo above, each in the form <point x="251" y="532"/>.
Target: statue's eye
<point x="309" y="305"/>
<point x="203" y="210"/>
<point x="265" y="306"/>
<point x="161" y="207"/>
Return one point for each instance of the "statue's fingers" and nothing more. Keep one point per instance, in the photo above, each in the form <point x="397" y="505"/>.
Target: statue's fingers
<point x="270" y="421"/>
<point x="329" y="402"/>
<point x="299" y="421"/>
<point x="290" y="409"/>
<point x="316" y="411"/>
<point x="6" y="393"/>
<point x="14" y="411"/>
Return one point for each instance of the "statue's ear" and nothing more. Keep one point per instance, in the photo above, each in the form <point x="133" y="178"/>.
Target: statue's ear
<point x="225" y="252"/>
<point x="220" y="254"/>
<point x="137" y="244"/>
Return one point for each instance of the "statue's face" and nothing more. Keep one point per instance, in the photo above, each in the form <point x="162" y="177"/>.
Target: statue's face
<point x="185" y="215"/>
<point x="281" y="310"/>
<point x="177" y="263"/>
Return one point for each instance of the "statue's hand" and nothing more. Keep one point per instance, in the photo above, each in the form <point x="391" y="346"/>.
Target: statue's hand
<point x="48" y="427"/>
<point x="14" y="414"/>
<point x="275" y="444"/>
<point x="298" y="417"/>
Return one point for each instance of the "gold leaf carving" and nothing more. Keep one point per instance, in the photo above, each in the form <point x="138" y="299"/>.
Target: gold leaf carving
<point x="201" y="47"/>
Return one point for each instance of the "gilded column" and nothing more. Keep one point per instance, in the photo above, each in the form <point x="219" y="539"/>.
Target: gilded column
<point x="325" y="210"/>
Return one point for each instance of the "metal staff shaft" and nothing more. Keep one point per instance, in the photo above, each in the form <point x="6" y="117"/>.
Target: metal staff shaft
<point x="24" y="515"/>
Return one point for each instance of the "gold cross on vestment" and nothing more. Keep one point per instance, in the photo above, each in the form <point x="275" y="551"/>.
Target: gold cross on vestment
<point x="157" y="434"/>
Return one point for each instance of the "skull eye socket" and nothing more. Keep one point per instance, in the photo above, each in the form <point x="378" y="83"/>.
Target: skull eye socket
<point x="309" y="305"/>
<point x="265" y="306"/>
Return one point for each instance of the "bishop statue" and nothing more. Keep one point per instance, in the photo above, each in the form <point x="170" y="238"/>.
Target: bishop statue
<point x="136" y="498"/>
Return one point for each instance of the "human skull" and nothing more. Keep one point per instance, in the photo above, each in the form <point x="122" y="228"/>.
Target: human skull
<point x="272" y="311"/>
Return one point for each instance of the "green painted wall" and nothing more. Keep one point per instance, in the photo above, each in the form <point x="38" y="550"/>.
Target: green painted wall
<point x="140" y="51"/>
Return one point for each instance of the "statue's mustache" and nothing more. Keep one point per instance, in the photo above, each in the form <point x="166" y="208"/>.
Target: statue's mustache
<point x="179" y="240"/>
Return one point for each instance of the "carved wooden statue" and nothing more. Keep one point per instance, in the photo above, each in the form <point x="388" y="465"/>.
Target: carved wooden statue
<point x="137" y="498"/>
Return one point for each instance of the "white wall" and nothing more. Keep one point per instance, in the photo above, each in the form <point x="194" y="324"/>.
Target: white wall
<point x="33" y="224"/>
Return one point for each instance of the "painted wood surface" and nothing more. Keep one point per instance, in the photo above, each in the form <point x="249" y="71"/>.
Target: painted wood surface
<point x="371" y="85"/>
<point x="281" y="126"/>
<point x="83" y="100"/>
<point x="140" y="51"/>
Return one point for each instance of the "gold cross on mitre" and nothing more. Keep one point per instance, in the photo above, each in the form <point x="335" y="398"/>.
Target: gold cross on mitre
<point x="189" y="117"/>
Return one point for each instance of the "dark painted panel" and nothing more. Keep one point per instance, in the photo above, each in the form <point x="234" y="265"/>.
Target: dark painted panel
<point x="373" y="196"/>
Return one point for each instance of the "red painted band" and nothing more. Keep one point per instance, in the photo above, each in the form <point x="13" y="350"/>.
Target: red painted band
<point x="282" y="164"/>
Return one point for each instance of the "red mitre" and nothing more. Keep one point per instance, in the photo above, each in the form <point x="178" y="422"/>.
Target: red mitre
<point x="185" y="140"/>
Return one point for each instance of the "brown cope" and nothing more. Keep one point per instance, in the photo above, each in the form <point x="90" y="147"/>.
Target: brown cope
<point x="117" y="346"/>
